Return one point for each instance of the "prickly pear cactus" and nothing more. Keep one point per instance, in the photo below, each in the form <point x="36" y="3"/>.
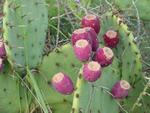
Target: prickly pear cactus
<point x="60" y="60"/>
<point x="126" y="51"/>
<point x="96" y="97"/>
<point x="24" y="34"/>
<point x="130" y="102"/>
<point x="133" y="7"/>
<point x="12" y="94"/>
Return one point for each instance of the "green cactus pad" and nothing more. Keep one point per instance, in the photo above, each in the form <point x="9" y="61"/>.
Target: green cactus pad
<point x="95" y="97"/>
<point x="24" y="34"/>
<point x="60" y="60"/>
<point x="141" y="5"/>
<point x="126" y="51"/>
<point x="12" y="95"/>
<point x="132" y="97"/>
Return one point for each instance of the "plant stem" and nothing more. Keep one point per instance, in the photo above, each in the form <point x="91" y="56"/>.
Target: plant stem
<point x="57" y="30"/>
<point x="141" y="95"/>
<point x="38" y="91"/>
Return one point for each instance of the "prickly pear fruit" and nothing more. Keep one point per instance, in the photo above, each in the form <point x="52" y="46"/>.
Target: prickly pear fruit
<point x="91" y="21"/>
<point x="82" y="50"/>
<point x="104" y="56"/>
<point x="1" y="64"/>
<point x="92" y="71"/>
<point x="2" y="49"/>
<point x="62" y="83"/>
<point x="120" y="89"/>
<point x="95" y="42"/>
<point x="80" y="34"/>
<point x="111" y="39"/>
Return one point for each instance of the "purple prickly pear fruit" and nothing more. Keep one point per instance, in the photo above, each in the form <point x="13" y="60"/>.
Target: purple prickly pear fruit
<point x="2" y="49"/>
<point x="120" y="89"/>
<point x="104" y="56"/>
<point x="92" y="71"/>
<point x="82" y="50"/>
<point x="95" y="42"/>
<point x="111" y="39"/>
<point x="80" y="34"/>
<point x="91" y="21"/>
<point x="62" y="83"/>
<point x="1" y="64"/>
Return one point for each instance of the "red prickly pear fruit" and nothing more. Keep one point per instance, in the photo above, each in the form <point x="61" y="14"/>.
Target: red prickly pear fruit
<point x="104" y="56"/>
<point x="80" y="34"/>
<point x="92" y="71"/>
<point x="1" y="64"/>
<point x="2" y="49"/>
<point x="111" y="39"/>
<point x="91" y="21"/>
<point x="82" y="50"/>
<point x="95" y="42"/>
<point x="62" y="83"/>
<point x="120" y="89"/>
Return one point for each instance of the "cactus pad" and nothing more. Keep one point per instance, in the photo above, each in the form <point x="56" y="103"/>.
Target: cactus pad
<point x="133" y="96"/>
<point x="12" y="95"/>
<point x="95" y="97"/>
<point x="60" y="60"/>
<point x="126" y="51"/>
<point x="24" y="34"/>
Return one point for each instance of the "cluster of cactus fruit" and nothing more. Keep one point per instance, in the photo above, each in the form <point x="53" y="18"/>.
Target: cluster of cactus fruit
<point x="85" y="40"/>
<point x="105" y="73"/>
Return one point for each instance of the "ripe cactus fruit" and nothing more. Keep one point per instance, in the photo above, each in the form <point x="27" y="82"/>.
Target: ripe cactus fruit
<point x="2" y="49"/>
<point x="120" y="89"/>
<point x="80" y="34"/>
<point x="104" y="56"/>
<point x="95" y="42"/>
<point x="111" y="39"/>
<point x="1" y="64"/>
<point x="62" y="83"/>
<point x="91" y="21"/>
<point x="92" y="71"/>
<point x="82" y="50"/>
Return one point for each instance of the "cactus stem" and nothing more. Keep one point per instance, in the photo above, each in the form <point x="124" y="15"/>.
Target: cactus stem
<point x="141" y="96"/>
